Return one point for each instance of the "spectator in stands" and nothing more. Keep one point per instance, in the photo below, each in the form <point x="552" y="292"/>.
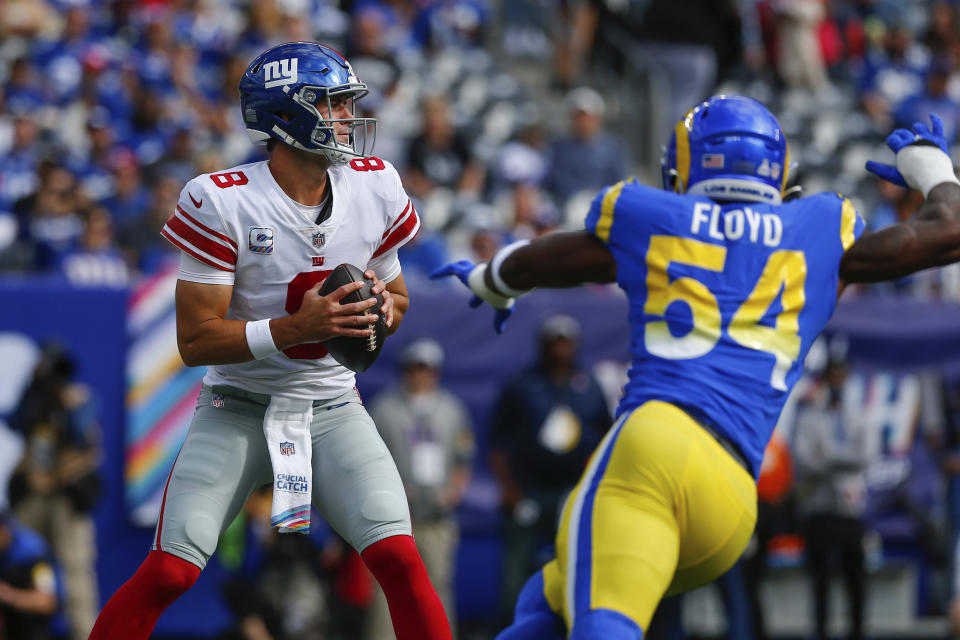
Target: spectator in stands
<point x="429" y="433"/>
<point x="526" y="27"/>
<point x="546" y="423"/>
<point x="25" y="18"/>
<point x="667" y="622"/>
<point x="6" y="124"/>
<point x="833" y="449"/>
<point x="375" y="47"/>
<point x="689" y="44"/>
<point x="263" y="26"/>
<point x="146" y="250"/>
<point x="23" y="89"/>
<point x="933" y="98"/>
<point x="371" y="57"/>
<point x="29" y="584"/>
<point x="572" y="40"/>
<point x="440" y="156"/>
<point x="799" y="59"/>
<point x="57" y="483"/>
<point x="885" y="211"/>
<point x="523" y="158"/>
<point x="479" y="236"/>
<point x="485" y="240"/>
<point x="228" y="138"/>
<point x="96" y="261"/>
<point x="451" y="24"/>
<point x="154" y="52"/>
<point x="585" y="157"/>
<point x="178" y="160"/>
<point x="941" y="36"/>
<point x="947" y="442"/>
<point x="93" y="162"/>
<point x="273" y="587"/>
<point x="130" y="197"/>
<point x="529" y="212"/>
<point x="775" y="516"/>
<point x="58" y="59"/>
<point x="50" y="218"/>
<point x="891" y="73"/>
<point x="146" y="135"/>
<point x="19" y="165"/>
<point x="424" y="254"/>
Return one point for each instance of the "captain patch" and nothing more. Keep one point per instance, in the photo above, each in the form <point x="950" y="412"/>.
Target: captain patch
<point x="260" y="240"/>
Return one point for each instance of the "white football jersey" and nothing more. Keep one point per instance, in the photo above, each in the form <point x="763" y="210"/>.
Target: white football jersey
<point x="241" y="222"/>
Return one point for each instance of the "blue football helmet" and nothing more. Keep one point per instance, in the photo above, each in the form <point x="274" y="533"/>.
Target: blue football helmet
<point x="728" y="148"/>
<point x="281" y="94"/>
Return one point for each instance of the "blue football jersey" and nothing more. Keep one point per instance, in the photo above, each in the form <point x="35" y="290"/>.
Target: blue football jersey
<point x="725" y="299"/>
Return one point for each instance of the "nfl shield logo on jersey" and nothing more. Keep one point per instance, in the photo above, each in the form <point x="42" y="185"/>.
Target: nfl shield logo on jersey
<point x="319" y="239"/>
<point x="217" y="401"/>
<point x="286" y="449"/>
<point x="260" y="240"/>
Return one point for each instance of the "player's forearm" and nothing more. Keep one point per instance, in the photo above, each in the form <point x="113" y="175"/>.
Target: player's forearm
<point x="557" y="260"/>
<point x="215" y="341"/>
<point x="225" y="341"/>
<point x="942" y="204"/>
<point x="931" y="238"/>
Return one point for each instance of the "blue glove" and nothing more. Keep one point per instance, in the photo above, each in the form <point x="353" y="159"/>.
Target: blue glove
<point x="462" y="270"/>
<point x="902" y="138"/>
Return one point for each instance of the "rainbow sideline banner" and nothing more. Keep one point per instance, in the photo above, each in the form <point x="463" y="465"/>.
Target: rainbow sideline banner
<point x="161" y="396"/>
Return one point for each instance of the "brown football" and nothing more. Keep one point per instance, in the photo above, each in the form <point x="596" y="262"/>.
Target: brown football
<point x="356" y="354"/>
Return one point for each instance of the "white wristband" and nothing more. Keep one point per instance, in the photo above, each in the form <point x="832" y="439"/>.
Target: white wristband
<point x="260" y="340"/>
<point x="925" y="166"/>
<point x="494" y="298"/>
<point x="497" y="261"/>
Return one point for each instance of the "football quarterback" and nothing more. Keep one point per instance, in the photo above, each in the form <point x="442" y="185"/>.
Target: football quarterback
<point x="257" y="241"/>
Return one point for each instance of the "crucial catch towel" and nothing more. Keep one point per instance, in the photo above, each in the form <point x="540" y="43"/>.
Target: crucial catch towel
<point x="286" y="426"/>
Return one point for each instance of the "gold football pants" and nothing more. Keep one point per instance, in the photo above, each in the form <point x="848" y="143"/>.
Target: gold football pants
<point x="662" y="508"/>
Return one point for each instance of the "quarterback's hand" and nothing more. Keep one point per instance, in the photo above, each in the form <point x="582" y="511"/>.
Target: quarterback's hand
<point x="323" y="317"/>
<point x="922" y="157"/>
<point x="379" y="286"/>
<point x="463" y="269"/>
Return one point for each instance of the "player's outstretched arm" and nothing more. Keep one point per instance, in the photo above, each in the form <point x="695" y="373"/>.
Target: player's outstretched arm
<point x="206" y="336"/>
<point x="561" y="259"/>
<point x="931" y="237"/>
<point x="558" y="260"/>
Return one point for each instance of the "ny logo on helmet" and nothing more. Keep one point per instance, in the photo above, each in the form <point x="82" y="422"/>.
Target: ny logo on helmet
<point x="280" y="72"/>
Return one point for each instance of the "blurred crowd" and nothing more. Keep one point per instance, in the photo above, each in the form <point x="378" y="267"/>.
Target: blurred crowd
<point x="504" y="119"/>
<point x="107" y="108"/>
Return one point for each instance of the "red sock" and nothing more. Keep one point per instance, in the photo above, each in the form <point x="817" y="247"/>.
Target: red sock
<point x="415" y="609"/>
<point x="136" y="606"/>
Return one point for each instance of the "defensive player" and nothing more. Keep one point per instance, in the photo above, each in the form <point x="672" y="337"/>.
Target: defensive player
<point x="728" y="286"/>
<point x="257" y="241"/>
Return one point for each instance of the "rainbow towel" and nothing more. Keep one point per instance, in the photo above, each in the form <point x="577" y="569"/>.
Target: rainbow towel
<point x="296" y="519"/>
